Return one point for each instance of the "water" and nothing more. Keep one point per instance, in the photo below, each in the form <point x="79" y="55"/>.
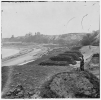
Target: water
<point x="6" y="52"/>
<point x="31" y="56"/>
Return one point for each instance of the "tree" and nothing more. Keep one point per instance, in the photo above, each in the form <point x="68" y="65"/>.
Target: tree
<point x="91" y="39"/>
<point x="87" y="40"/>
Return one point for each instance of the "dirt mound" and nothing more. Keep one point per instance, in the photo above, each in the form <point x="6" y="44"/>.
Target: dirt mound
<point x="74" y="51"/>
<point x="96" y="55"/>
<point x="95" y="59"/>
<point x="56" y="63"/>
<point x="75" y="84"/>
<point x="94" y="62"/>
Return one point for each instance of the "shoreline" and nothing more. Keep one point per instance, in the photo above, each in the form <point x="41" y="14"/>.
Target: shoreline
<point x="26" y="57"/>
<point x="18" y="54"/>
<point x="10" y="47"/>
<point x="8" y="52"/>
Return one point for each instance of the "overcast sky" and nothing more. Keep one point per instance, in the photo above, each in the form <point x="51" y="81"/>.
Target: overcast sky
<point x="49" y="17"/>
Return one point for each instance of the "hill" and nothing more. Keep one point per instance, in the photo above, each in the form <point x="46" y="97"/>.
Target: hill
<point x="40" y="38"/>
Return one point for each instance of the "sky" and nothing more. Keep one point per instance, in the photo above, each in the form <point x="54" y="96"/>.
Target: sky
<point x="50" y="18"/>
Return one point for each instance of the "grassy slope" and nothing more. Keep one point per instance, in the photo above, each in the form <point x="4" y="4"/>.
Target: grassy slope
<point x="31" y="75"/>
<point x="58" y="81"/>
<point x="5" y="72"/>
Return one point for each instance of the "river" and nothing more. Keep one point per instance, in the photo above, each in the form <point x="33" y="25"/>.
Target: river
<point x="31" y="56"/>
<point x="6" y="52"/>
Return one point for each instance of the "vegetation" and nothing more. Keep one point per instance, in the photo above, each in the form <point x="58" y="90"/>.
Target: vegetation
<point x="62" y="58"/>
<point x="87" y="40"/>
<point x="76" y="85"/>
<point x="91" y="39"/>
<point x="54" y="63"/>
<point x="30" y="76"/>
<point x="96" y="55"/>
<point x="74" y="51"/>
<point x="40" y="38"/>
<point x="76" y="48"/>
<point x="5" y="73"/>
<point x="73" y="55"/>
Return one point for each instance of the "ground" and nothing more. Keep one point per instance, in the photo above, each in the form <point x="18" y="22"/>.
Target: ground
<point x="88" y="56"/>
<point x="73" y="84"/>
<point x="32" y="75"/>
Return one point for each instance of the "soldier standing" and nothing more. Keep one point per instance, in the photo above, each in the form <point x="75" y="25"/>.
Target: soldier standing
<point x="82" y="64"/>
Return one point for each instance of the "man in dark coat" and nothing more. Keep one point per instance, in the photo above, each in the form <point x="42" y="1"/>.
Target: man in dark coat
<point x="82" y="64"/>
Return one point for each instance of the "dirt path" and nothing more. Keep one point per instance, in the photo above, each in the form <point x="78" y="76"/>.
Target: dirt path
<point x="6" y="88"/>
